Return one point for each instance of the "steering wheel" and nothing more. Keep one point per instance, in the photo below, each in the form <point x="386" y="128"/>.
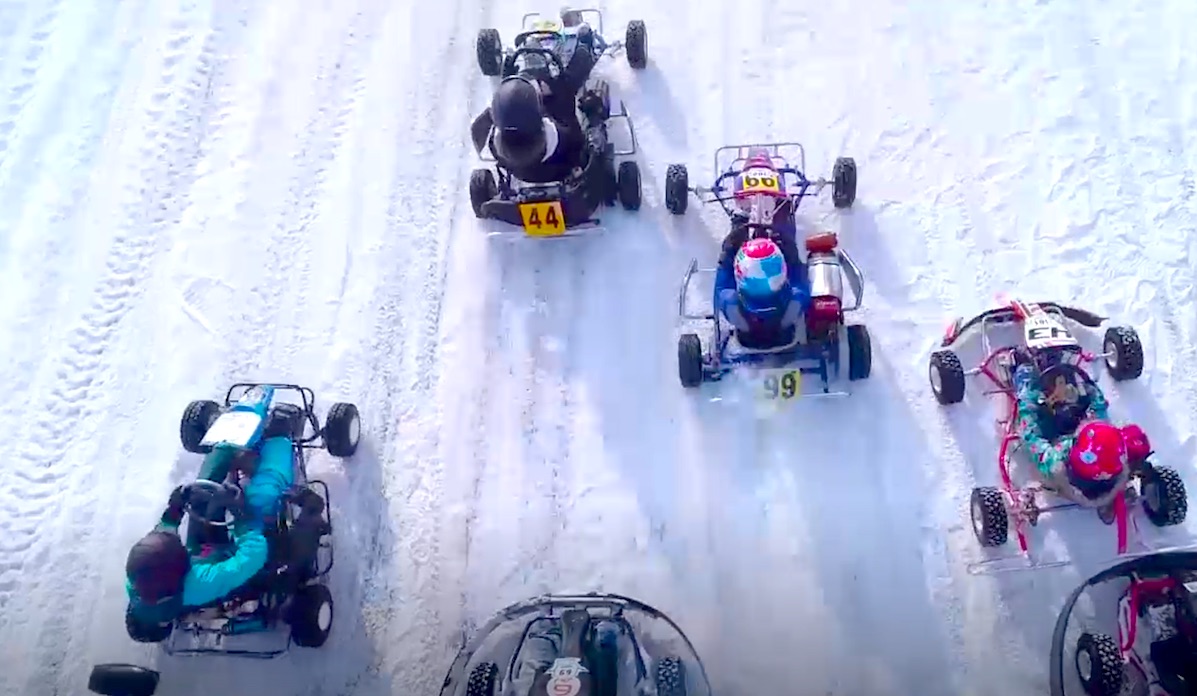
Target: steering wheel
<point x="758" y="230"/>
<point x="208" y="499"/>
<point x="554" y="61"/>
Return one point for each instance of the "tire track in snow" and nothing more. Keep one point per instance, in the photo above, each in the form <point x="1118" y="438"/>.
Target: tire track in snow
<point x="169" y="158"/>
<point x="29" y="71"/>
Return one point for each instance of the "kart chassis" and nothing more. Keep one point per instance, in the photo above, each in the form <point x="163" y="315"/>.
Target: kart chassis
<point x="797" y="182"/>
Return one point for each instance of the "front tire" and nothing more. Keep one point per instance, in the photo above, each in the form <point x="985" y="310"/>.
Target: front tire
<point x="946" y="375"/>
<point x="843" y="178"/>
<point x="1165" y="501"/>
<point x="1124" y="359"/>
<point x="311" y="616"/>
<point x="1099" y="665"/>
<point x="636" y="44"/>
<point x="991" y="523"/>
<point x="342" y="430"/>
<point x="627" y="182"/>
<point x="198" y="417"/>
<point x="677" y="188"/>
<point x="489" y="48"/>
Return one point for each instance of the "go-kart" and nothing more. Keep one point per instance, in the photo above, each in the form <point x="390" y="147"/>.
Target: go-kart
<point x="1043" y="327"/>
<point x="824" y="333"/>
<point x="282" y="592"/>
<point x="554" y="209"/>
<point x="585" y="645"/>
<point x="1153" y="651"/>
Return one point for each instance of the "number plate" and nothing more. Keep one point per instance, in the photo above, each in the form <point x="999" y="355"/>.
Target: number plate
<point x="758" y="180"/>
<point x="543" y="219"/>
<point x="779" y="384"/>
<point x="234" y="427"/>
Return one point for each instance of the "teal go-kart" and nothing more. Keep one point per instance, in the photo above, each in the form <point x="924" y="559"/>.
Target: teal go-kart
<point x="583" y="645"/>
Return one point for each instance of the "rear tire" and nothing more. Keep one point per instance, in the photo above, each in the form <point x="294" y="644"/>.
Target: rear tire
<point x="1099" y="665"/>
<point x="122" y="680"/>
<point x="636" y="44"/>
<point x="689" y="360"/>
<point x="843" y="178"/>
<point x="198" y="417"/>
<point x="991" y="523"/>
<point x="1165" y="501"/>
<point x="489" y="48"/>
<point x="311" y="616"/>
<point x="627" y="182"/>
<point x="482" y="189"/>
<point x="342" y="430"/>
<point x="860" y="352"/>
<point x="946" y="375"/>
<point x="677" y="188"/>
<point x="1125" y="361"/>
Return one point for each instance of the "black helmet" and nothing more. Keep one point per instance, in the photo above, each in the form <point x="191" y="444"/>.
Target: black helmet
<point x="518" y="115"/>
<point x="157" y="565"/>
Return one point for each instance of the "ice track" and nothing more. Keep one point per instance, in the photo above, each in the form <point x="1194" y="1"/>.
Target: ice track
<point x="197" y="192"/>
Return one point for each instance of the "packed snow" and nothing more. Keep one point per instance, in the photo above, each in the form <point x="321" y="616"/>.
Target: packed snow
<point x="195" y="193"/>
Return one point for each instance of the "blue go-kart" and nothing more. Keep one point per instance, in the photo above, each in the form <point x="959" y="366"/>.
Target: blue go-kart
<point x="824" y="342"/>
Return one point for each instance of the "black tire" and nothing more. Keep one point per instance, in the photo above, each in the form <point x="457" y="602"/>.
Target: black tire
<point x="489" y="48"/>
<point x="669" y="677"/>
<point x="946" y="375"/>
<point x="141" y="632"/>
<point x="628" y="183"/>
<point x="991" y="523"/>
<point x="197" y="418"/>
<point x="484" y="678"/>
<point x="843" y="182"/>
<point x="122" y="680"/>
<point x="482" y="189"/>
<point x="860" y="352"/>
<point x="311" y="616"/>
<point x="285" y="420"/>
<point x="689" y="360"/>
<point x="1125" y="359"/>
<point x="342" y="430"/>
<point x="636" y="44"/>
<point x="677" y="188"/>
<point x="1098" y="664"/>
<point x="1165" y="501"/>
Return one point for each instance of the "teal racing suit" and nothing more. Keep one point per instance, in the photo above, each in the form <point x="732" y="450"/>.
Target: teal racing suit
<point x="218" y="572"/>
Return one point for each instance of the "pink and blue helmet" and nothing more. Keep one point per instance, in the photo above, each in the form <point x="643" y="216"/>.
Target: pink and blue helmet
<point x="760" y="270"/>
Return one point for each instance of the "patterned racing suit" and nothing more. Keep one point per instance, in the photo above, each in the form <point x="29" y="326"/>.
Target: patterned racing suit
<point x="1041" y="432"/>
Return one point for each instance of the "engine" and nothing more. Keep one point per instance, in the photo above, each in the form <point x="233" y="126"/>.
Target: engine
<point x="826" y="285"/>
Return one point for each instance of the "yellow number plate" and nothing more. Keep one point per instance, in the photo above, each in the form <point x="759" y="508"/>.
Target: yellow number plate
<point x="543" y="219"/>
<point x="780" y="385"/>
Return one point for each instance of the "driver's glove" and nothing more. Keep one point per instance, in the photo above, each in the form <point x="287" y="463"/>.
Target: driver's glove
<point x="235" y="503"/>
<point x="173" y="515"/>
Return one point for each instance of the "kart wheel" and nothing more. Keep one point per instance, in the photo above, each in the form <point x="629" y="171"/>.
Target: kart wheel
<point x="843" y="178"/>
<point x="141" y="632"/>
<point x="482" y="189"/>
<point x="122" y="680"/>
<point x="991" y="524"/>
<point x="860" y="352"/>
<point x="627" y="182"/>
<point x="483" y="680"/>
<point x="670" y="677"/>
<point x="677" y="188"/>
<point x="198" y="417"/>
<point x="1124" y="353"/>
<point x="489" y="48"/>
<point x="689" y="360"/>
<point x="1165" y="501"/>
<point x="311" y="616"/>
<point x="947" y="377"/>
<point x="1099" y="664"/>
<point x="342" y="430"/>
<point x="636" y="44"/>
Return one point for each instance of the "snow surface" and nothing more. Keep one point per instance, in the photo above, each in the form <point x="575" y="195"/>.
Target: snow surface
<point x="193" y="193"/>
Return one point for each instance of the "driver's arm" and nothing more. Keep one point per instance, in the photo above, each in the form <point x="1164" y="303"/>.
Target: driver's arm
<point x="1099" y="408"/>
<point x="208" y="582"/>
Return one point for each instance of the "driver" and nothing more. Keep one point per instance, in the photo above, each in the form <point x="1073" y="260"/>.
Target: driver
<point x="543" y="645"/>
<point x="532" y="125"/>
<point x="167" y="579"/>
<point x="759" y="293"/>
<point x="1081" y="452"/>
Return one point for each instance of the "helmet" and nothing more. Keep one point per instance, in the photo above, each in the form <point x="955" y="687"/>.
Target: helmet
<point x="760" y="273"/>
<point x="758" y="157"/>
<point x="1098" y="456"/>
<point x="518" y="113"/>
<point x="156" y="566"/>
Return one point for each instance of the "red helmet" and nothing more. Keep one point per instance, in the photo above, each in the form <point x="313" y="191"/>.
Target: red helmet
<point x="1098" y="453"/>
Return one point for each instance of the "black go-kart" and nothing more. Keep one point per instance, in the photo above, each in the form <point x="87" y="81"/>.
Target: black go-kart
<point x="543" y="49"/>
<point x="1148" y="648"/>
<point x="282" y="593"/>
<point x="584" y="645"/>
